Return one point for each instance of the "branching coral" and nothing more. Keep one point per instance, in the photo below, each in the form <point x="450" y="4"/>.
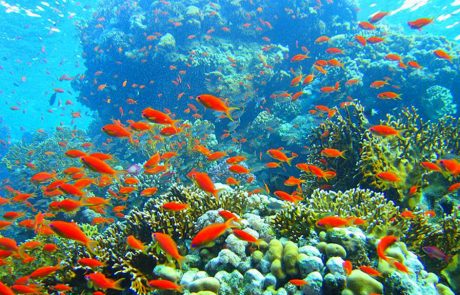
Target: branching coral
<point x="137" y="266"/>
<point x="297" y="220"/>
<point x="420" y="141"/>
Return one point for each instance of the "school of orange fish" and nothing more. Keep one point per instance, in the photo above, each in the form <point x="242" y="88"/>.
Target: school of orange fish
<point x="74" y="183"/>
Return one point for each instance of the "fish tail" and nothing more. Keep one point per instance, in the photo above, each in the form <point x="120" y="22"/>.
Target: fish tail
<point x="181" y="261"/>
<point x="117" y="285"/>
<point x="228" y="111"/>
<point x="91" y="246"/>
<point x="289" y="160"/>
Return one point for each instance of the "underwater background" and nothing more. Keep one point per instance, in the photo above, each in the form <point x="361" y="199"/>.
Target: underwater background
<point x="229" y="147"/>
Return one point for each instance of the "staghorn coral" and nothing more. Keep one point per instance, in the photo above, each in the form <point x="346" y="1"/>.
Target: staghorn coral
<point x="420" y="141"/>
<point x="298" y="220"/>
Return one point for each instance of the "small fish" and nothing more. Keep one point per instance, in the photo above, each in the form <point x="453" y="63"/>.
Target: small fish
<point x="388" y="176"/>
<point x="90" y="262"/>
<point x="168" y="245"/>
<point x="378" y="16"/>
<point x="389" y="95"/>
<point x="245" y="236"/>
<point x="70" y="230"/>
<point x="383" y="244"/>
<point x="333" y="221"/>
<point x="298" y="282"/>
<point x="210" y="233"/>
<point x="347" y="267"/>
<point x="174" y="206"/>
<point x="158" y="117"/>
<point x="205" y="183"/>
<point x="134" y="243"/>
<point x="332" y="153"/>
<point x="164" y="285"/>
<point x="280" y="156"/>
<point x="102" y="282"/>
<point x="420" y="23"/>
<point x="383" y="130"/>
<point x="443" y="55"/>
<point x="370" y="271"/>
<point x="436" y="253"/>
<point x="401" y="267"/>
<point x="216" y="104"/>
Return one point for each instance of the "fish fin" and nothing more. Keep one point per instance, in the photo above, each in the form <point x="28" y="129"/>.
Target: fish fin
<point x="117" y="285"/>
<point x="91" y="246"/>
<point x="227" y="112"/>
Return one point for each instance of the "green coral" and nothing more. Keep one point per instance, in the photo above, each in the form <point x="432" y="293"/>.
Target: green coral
<point x="419" y="141"/>
<point x="297" y="220"/>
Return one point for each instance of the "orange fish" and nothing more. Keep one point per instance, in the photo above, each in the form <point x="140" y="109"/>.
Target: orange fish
<point x="299" y="57"/>
<point x="102" y="282"/>
<point x="215" y="103"/>
<point x="204" y="182"/>
<point x="228" y="215"/>
<point x="158" y="117"/>
<point x="370" y="271"/>
<point x="44" y="271"/>
<point x="443" y="55"/>
<point x="347" y="267"/>
<point x="116" y="129"/>
<point x="245" y="236"/>
<point x="333" y="221"/>
<point x="420" y="23"/>
<point x="450" y="165"/>
<point x="149" y="191"/>
<point x="90" y="262"/>
<point x="401" y="267"/>
<point x="453" y="187"/>
<point x="431" y="166"/>
<point x="332" y="153"/>
<point x="174" y="206"/>
<point x="388" y="176"/>
<point x="75" y="153"/>
<point x="165" y="285"/>
<point x="98" y="165"/>
<point x="298" y="282"/>
<point x="287" y="197"/>
<point x="322" y="39"/>
<point x="168" y="245"/>
<point x="280" y="156"/>
<point x="377" y="16"/>
<point x="296" y="80"/>
<point x="389" y="95"/>
<point x="5" y="290"/>
<point x="135" y="243"/>
<point x="383" y="130"/>
<point x="366" y="26"/>
<point x="238" y="169"/>
<point x="361" y="40"/>
<point x="210" y="233"/>
<point x="375" y="39"/>
<point x="216" y="156"/>
<point x="42" y="177"/>
<point x="308" y="79"/>
<point x="235" y="159"/>
<point x="378" y="84"/>
<point x="70" y="230"/>
<point x="383" y="244"/>
<point x="139" y="126"/>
